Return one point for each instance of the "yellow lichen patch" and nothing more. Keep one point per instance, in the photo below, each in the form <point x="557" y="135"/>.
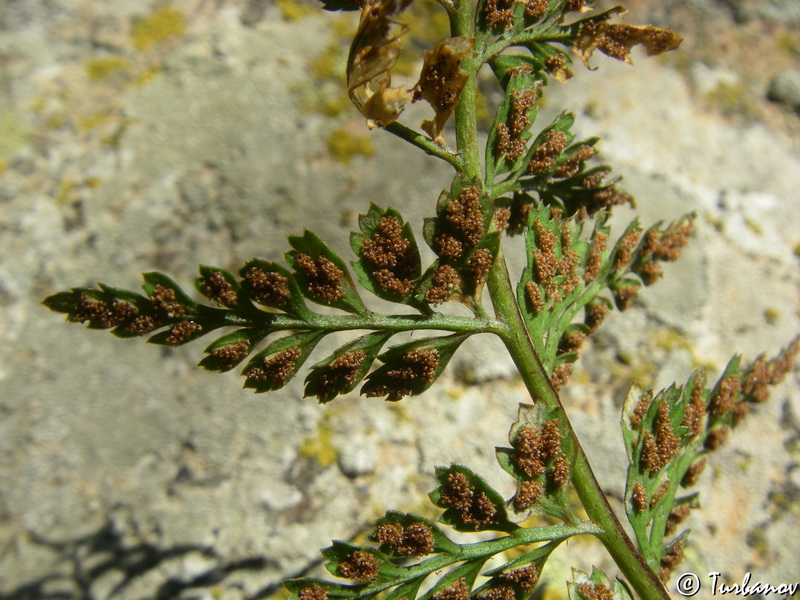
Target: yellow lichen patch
<point x="90" y="122"/>
<point x="291" y="10"/>
<point x="772" y="316"/>
<point x="100" y="69"/>
<point x="319" y="447"/>
<point x="343" y="145"/>
<point x="669" y="339"/>
<point x="161" y="25"/>
<point x="732" y="100"/>
<point x="147" y="75"/>
<point x="13" y="133"/>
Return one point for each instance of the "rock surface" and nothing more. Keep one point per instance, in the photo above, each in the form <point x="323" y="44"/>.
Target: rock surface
<point x="136" y="138"/>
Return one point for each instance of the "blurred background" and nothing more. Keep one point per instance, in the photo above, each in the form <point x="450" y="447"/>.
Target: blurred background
<point x="138" y="136"/>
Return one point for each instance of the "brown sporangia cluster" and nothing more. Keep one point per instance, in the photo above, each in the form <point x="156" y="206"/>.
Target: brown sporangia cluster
<point x="572" y="164"/>
<point x="544" y="157"/>
<point x="670" y="561"/>
<point x="419" y="365"/>
<point x="278" y="370"/>
<point x="313" y="592"/>
<point x="595" y="260"/>
<point x="624" y="250"/>
<point x="510" y="143"/>
<point x="639" y="498"/>
<point x="528" y="494"/>
<point x="373" y="53"/>
<point x="594" y="180"/>
<point x="441" y="81"/>
<point x="534" y="297"/>
<point x="478" y="267"/>
<point x="339" y="374"/>
<point x="444" y="282"/>
<point x="662" y="246"/>
<point x="723" y="398"/>
<point x="142" y="325"/>
<point x="728" y="403"/>
<point x="537" y="453"/>
<point x="499" y="12"/>
<point x="667" y="244"/>
<point x="595" y="314"/>
<point x="123" y="313"/>
<point x="474" y="508"/>
<point x="164" y="302"/>
<point x="717" y="437"/>
<point x="498" y="591"/>
<point x="231" y="355"/>
<point x="556" y="66"/>
<point x="658" y="451"/>
<point x="360" y="566"/>
<point x="525" y="577"/>
<point x="460" y="228"/>
<point x="605" y="198"/>
<point x="269" y="287"/>
<point x="676" y="516"/>
<point x="100" y="314"/>
<point x="571" y="342"/>
<point x="693" y="473"/>
<point x="662" y="491"/>
<point x="617" y="40"/>
<point x="457" y="590"/>
<point x="764" y="373"/>
<point x="520" y="210"/>
<point x="502" y="218"/>
<point x="464" y="216"/>
<point x="535" y="9"/>
<point x="695" y="412"/>
<point x="322" y="277"/>
<point x="414" y="539"/>
<point x="625" y="295"/>
<point x="392" y="255"/>
<point x="595" y="591"/>
<point x="182" y="332"/>
<point x="557" y="276"/>
<point x="640" y="410"/>
<point x="560" y="375"/>
<point x="218" y="289"/>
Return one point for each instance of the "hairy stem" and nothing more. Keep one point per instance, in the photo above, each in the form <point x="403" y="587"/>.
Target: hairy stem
<point x="374" y="322"/>
<point x="422" y="141"/>
<point x="640" y="576"/>
<point x="466" y="116"/>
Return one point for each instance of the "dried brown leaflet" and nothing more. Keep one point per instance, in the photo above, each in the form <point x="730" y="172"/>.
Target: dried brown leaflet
<point x="373" y="53"/>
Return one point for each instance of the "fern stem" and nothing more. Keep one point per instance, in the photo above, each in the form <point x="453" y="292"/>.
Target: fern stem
<point x="520" y="346"/>
<point x="461" y="24"/>
<point x="423" y="142"/>
<point x="371" y="322"/>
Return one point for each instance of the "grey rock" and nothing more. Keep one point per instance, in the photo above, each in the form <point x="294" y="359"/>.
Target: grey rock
<point x="117" y="449"/>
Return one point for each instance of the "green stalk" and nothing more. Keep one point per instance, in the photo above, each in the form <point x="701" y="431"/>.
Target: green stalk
<point x="465" y="114"/>
<point x="425" y="143"/>
<point x="642" y="579"/>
